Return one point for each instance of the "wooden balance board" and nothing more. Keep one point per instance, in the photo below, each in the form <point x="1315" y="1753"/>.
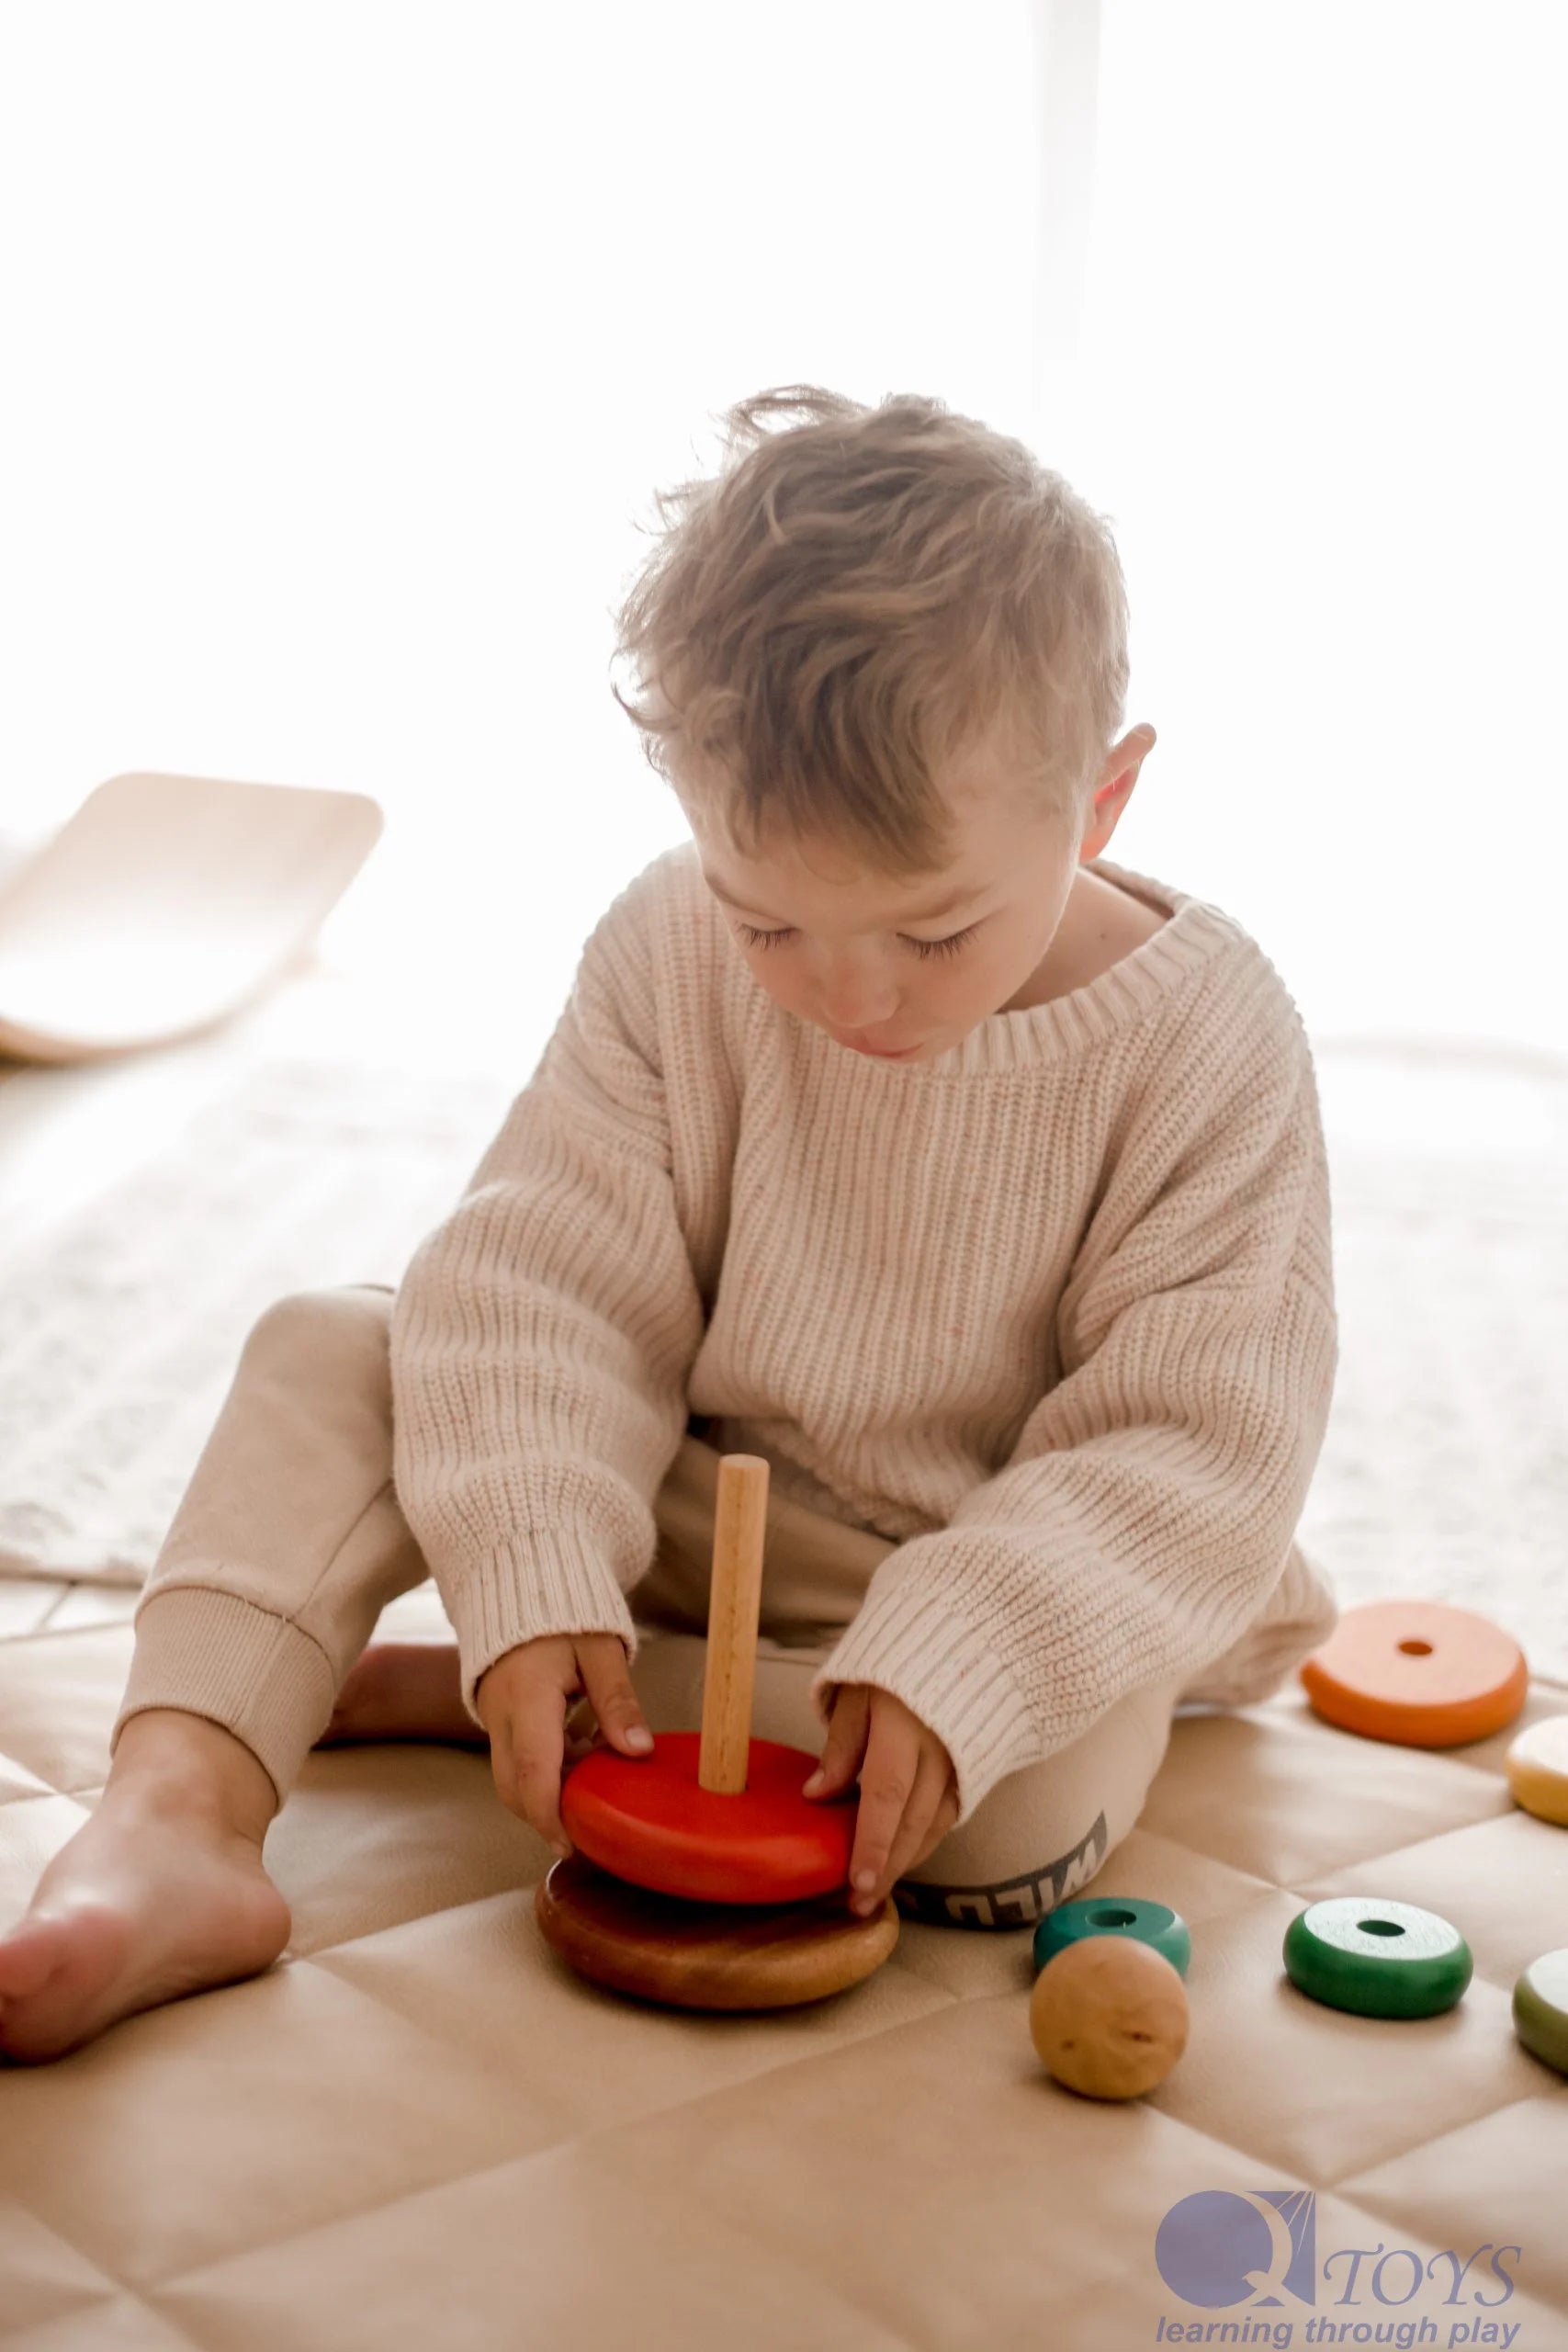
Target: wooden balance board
<point x="700" y="1876"/>
<point x="166" y="904"/>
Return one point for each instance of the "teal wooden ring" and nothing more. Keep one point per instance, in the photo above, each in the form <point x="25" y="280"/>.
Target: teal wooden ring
<point x="1541" y="2008"/>
<point x="1114" y="1915"/>
<point x="1377" y="1958"/>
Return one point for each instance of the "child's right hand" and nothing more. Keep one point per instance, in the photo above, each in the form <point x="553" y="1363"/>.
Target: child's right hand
<point x="522" y="1701"/>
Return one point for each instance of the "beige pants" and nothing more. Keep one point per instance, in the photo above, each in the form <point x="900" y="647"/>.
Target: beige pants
<point x="289" y="1541"/>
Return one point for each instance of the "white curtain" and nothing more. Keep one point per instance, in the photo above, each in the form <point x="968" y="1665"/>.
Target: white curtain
<point x="346" y="344"/>
<point x="1315" y="373"/>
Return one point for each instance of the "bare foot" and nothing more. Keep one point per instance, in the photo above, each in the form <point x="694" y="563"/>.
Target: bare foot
<point x="403" y="1690"/>
<point x="156" y="1896"/>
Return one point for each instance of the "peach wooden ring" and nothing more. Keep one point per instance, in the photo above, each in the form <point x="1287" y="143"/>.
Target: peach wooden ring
<point x="1420" y="1673"/>
<point x="716" y="1816"/>
<point x="1536" y="1767"/>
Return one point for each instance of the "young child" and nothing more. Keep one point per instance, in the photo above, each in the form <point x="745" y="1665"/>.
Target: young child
<point x="891" y="1131"/>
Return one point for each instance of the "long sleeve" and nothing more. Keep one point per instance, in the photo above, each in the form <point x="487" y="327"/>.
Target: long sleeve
<point x="542" y="1335"/>
<point x="1146" y="1511"/>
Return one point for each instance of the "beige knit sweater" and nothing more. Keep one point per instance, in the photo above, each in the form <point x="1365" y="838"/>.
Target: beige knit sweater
<point x="1053" y="1312"/>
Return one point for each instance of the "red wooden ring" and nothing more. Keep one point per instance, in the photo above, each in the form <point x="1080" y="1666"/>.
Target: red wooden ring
<point x="648" y="1821"/>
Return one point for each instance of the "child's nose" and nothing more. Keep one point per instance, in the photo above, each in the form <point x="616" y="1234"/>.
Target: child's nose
<point x="859" y="1013"/>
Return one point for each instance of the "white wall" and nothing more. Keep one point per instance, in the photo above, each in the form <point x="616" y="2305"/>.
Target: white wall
<point x="1321" y="392"/>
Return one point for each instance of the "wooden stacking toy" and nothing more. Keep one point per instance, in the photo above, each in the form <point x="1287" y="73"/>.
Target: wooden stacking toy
<point x="701" y="1877"/>
<point x="1418" y="1672"/>
<point x="1108" y="2016"/>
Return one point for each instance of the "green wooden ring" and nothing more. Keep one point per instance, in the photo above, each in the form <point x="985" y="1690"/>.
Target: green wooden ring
<point x="1377" y="1958"/>
<point x="1114" y="1915"/>
<point x="1541" y="2008"/>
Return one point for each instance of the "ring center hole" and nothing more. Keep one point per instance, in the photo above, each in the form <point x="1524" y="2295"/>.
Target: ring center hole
<point x="1417" y="1650"/>
<point x="1379" y="1927"/>
<point x="1113" y="1918"/>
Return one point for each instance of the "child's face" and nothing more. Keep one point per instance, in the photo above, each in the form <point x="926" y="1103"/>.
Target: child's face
<point x="842" y="948"/>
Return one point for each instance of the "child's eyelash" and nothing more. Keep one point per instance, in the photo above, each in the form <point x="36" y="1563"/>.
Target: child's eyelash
<point x="948" y="946"/>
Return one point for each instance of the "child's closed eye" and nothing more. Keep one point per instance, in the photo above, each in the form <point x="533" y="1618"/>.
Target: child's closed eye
<point x="948" y="946"/>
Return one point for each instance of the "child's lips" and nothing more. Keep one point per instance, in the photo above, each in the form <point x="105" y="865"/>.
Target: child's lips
<point x="883" y="1053"/>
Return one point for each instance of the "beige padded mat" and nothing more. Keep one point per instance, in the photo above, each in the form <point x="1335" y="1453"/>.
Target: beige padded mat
<point x="419" y="2130"/>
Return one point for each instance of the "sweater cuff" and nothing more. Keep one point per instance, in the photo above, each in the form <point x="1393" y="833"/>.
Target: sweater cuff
<point x="912" y="1643"/>
<point x="527" y="1587"/>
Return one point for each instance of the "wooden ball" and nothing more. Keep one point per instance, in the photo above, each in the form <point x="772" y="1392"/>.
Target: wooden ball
<point x="1107" y="2016"/>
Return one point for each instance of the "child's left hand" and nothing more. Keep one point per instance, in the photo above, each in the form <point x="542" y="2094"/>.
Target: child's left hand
<point x="909" y="1797"/>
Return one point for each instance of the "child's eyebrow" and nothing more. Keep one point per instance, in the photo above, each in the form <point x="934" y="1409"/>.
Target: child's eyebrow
<point x="948" y="905"/>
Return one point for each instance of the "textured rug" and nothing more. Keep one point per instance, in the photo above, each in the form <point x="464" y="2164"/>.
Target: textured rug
<point x="1444" y="1472"/>
<point x="121" y="1329"/>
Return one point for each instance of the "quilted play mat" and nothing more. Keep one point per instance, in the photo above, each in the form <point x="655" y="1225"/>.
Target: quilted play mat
<point x="419" y="2128"/>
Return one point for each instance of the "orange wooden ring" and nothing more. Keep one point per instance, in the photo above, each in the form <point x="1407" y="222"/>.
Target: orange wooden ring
<point x="649" y="1820"/>
<point x="1420" y="1673"/>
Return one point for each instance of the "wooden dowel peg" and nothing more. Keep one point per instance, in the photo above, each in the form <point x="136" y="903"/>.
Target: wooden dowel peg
<point x="740" y="1526"/>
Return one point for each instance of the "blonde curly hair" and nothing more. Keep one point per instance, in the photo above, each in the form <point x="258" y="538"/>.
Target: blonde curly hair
<point x="857" y="604"/>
